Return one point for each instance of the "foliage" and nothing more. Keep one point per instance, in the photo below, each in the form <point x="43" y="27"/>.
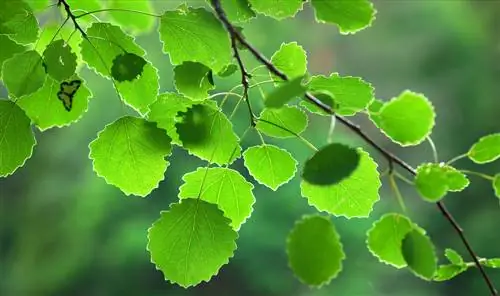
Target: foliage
<point x="192" y="240"/>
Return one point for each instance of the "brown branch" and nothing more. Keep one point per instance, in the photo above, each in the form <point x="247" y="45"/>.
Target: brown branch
<point x="70" y="15"/>
<point x="391" y="158"/>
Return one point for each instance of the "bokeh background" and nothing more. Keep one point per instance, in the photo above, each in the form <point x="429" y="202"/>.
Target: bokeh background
<point x="64" y="231"/>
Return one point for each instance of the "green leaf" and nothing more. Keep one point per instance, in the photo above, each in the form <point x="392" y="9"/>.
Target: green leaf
<point x="447" y="272"/>
<point x="59" y="60"/>
<point x="352" y="94"/>
<point x="23" y="74"/>
<point x="164" y="112"/>
<point x="386" y="236"/>
<point x="52" y="29"/>
<point x="419" y="254"/>
<point x="325" y="97"/>
<point x="351" y="197"/>
<point x="285" y="122"/>
<point x="331" y="164"/>
<point x="237" y="11"/>
<point x="350" y="16"/>
<point x="37" y="4"/>
<point x="130" y="154"/>
<point x="191" y="242"/>
<point x="492" y="263"/>
<point x="46" y="110"/>
<point x="285" y="92"/>
<point x="224" y="187"/>
<point x="434" y="180"/>
<point x="136" y="22"/>
<point x="278" y="9"/>
<point x="16" y="138"/>
<point x="109" y="42"/>
<point x="192" y="80"/>
<point x="228" y="70"/>
<point x="270" y="165"/>
<point x="207" y="133"/>
<point x="407" y="119"/>
<point x="453" y="257"/>
<point x="374" y="111"/>
<point x="127" y="67"/>
<point x="18" y="21"/>
<point x="190" y="34"/>
<point x="314" y="250"/>
<point x="496" y="185"/>
<point x="487" y="149"/>
<point x="8" y="49"/>
<point x="291" y="59"/>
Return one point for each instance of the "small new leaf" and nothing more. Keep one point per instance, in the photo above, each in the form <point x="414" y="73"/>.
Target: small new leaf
<point x="350" y="16"/>
<point x="191" y="242"/>
<point x="291" y="59"/>
<point x="434" y="180"/>
<point x="314" y="250"/>
<point x="127" y="67"/>
<point x="270" y="165"/>
<point x="331" y="164"/>
<point x="454" y="257"/>
<point x="487" y="149"/>
<point x="447" y="272"/>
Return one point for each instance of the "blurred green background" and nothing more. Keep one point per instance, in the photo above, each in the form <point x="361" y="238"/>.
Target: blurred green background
<point x="64" y="231"/>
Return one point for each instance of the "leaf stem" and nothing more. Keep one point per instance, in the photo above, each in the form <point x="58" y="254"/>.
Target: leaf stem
<point x="397" y="193"/>
<point x="434" y="150"/>
<point x="484" y="176"/>
<point x="456" y="158"/>
<point x="304" y="140"/>
<point x="118" y="10"/>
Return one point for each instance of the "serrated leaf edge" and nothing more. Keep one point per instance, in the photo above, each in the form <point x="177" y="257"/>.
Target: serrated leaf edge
<point x="206" y="280"/>
<point x="279" y="18"/>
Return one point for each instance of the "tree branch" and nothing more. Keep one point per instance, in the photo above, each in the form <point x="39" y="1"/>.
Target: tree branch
<point x="391" y="158"/>
<point x="70" y="15"/>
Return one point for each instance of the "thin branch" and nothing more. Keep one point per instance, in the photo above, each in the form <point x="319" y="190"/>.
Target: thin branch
<point x="72" y="17"/>
<point x="391" y="158"/>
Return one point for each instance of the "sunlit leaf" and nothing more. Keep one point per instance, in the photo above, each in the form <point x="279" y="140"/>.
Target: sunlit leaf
<point x="18" y="21"/>
<point x="351" y="94"/>
<point x="16" y="138"/>
<point x="8" y="49"/>
<point x="23" y="74"/>
<point x="191" y="242"/>
<point x="407" y="119"/>
<point x="386" y="236"/>
<point x="138" y="22"/>
<point x="447" y="272"/>
<point x="46" y="110"/>
<point x="278" y="9"/>
<point x="192" y="80"/>
<point x="315" y="253"/>
<point x="331" y="164"/>
<point x="353" y="196"/>
<point x="434" y="180"/>
<point x="350" y="16"/>
<point x="194" y="34"/>
<point x="130" y="154"/>
<point x="59" y="60"/>
<point x="487" y="149"/>
<point x="291" y="59"/>
<point x="453" y="257"/>
<point x="284" y="122"/>
<point x="224" y="187"/>
<point x="419" y="254"/>
<point x="374" y="111"/>
<point x="270" y="165"/>
<point x="237" y="11"/>
<point x="106" y="42"/>
<point x="491" y="263"/>
<point x="207" y="133"/>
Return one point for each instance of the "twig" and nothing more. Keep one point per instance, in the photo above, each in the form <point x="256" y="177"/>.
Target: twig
<point x="235" y="37"/>
<point x="72" y="17"/>
<point x="391" y="158"/>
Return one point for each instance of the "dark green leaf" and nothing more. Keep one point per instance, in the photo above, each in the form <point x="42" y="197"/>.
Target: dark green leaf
<point x="285" y="92"/>
<point x="127" y="67"/>
<point x="418" y="252"/>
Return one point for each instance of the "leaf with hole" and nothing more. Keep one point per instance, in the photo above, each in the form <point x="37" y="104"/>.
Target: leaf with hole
<point x="59" y="60"/>
<point x="270" y="165"/>
<point x="224" y="187"/>
<point x="130" y="154"/>
<point x="353" y="196"/>
<point x="487" y="149"/>
<point x="190" y="242"/>
<point x="314" y="250"/>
